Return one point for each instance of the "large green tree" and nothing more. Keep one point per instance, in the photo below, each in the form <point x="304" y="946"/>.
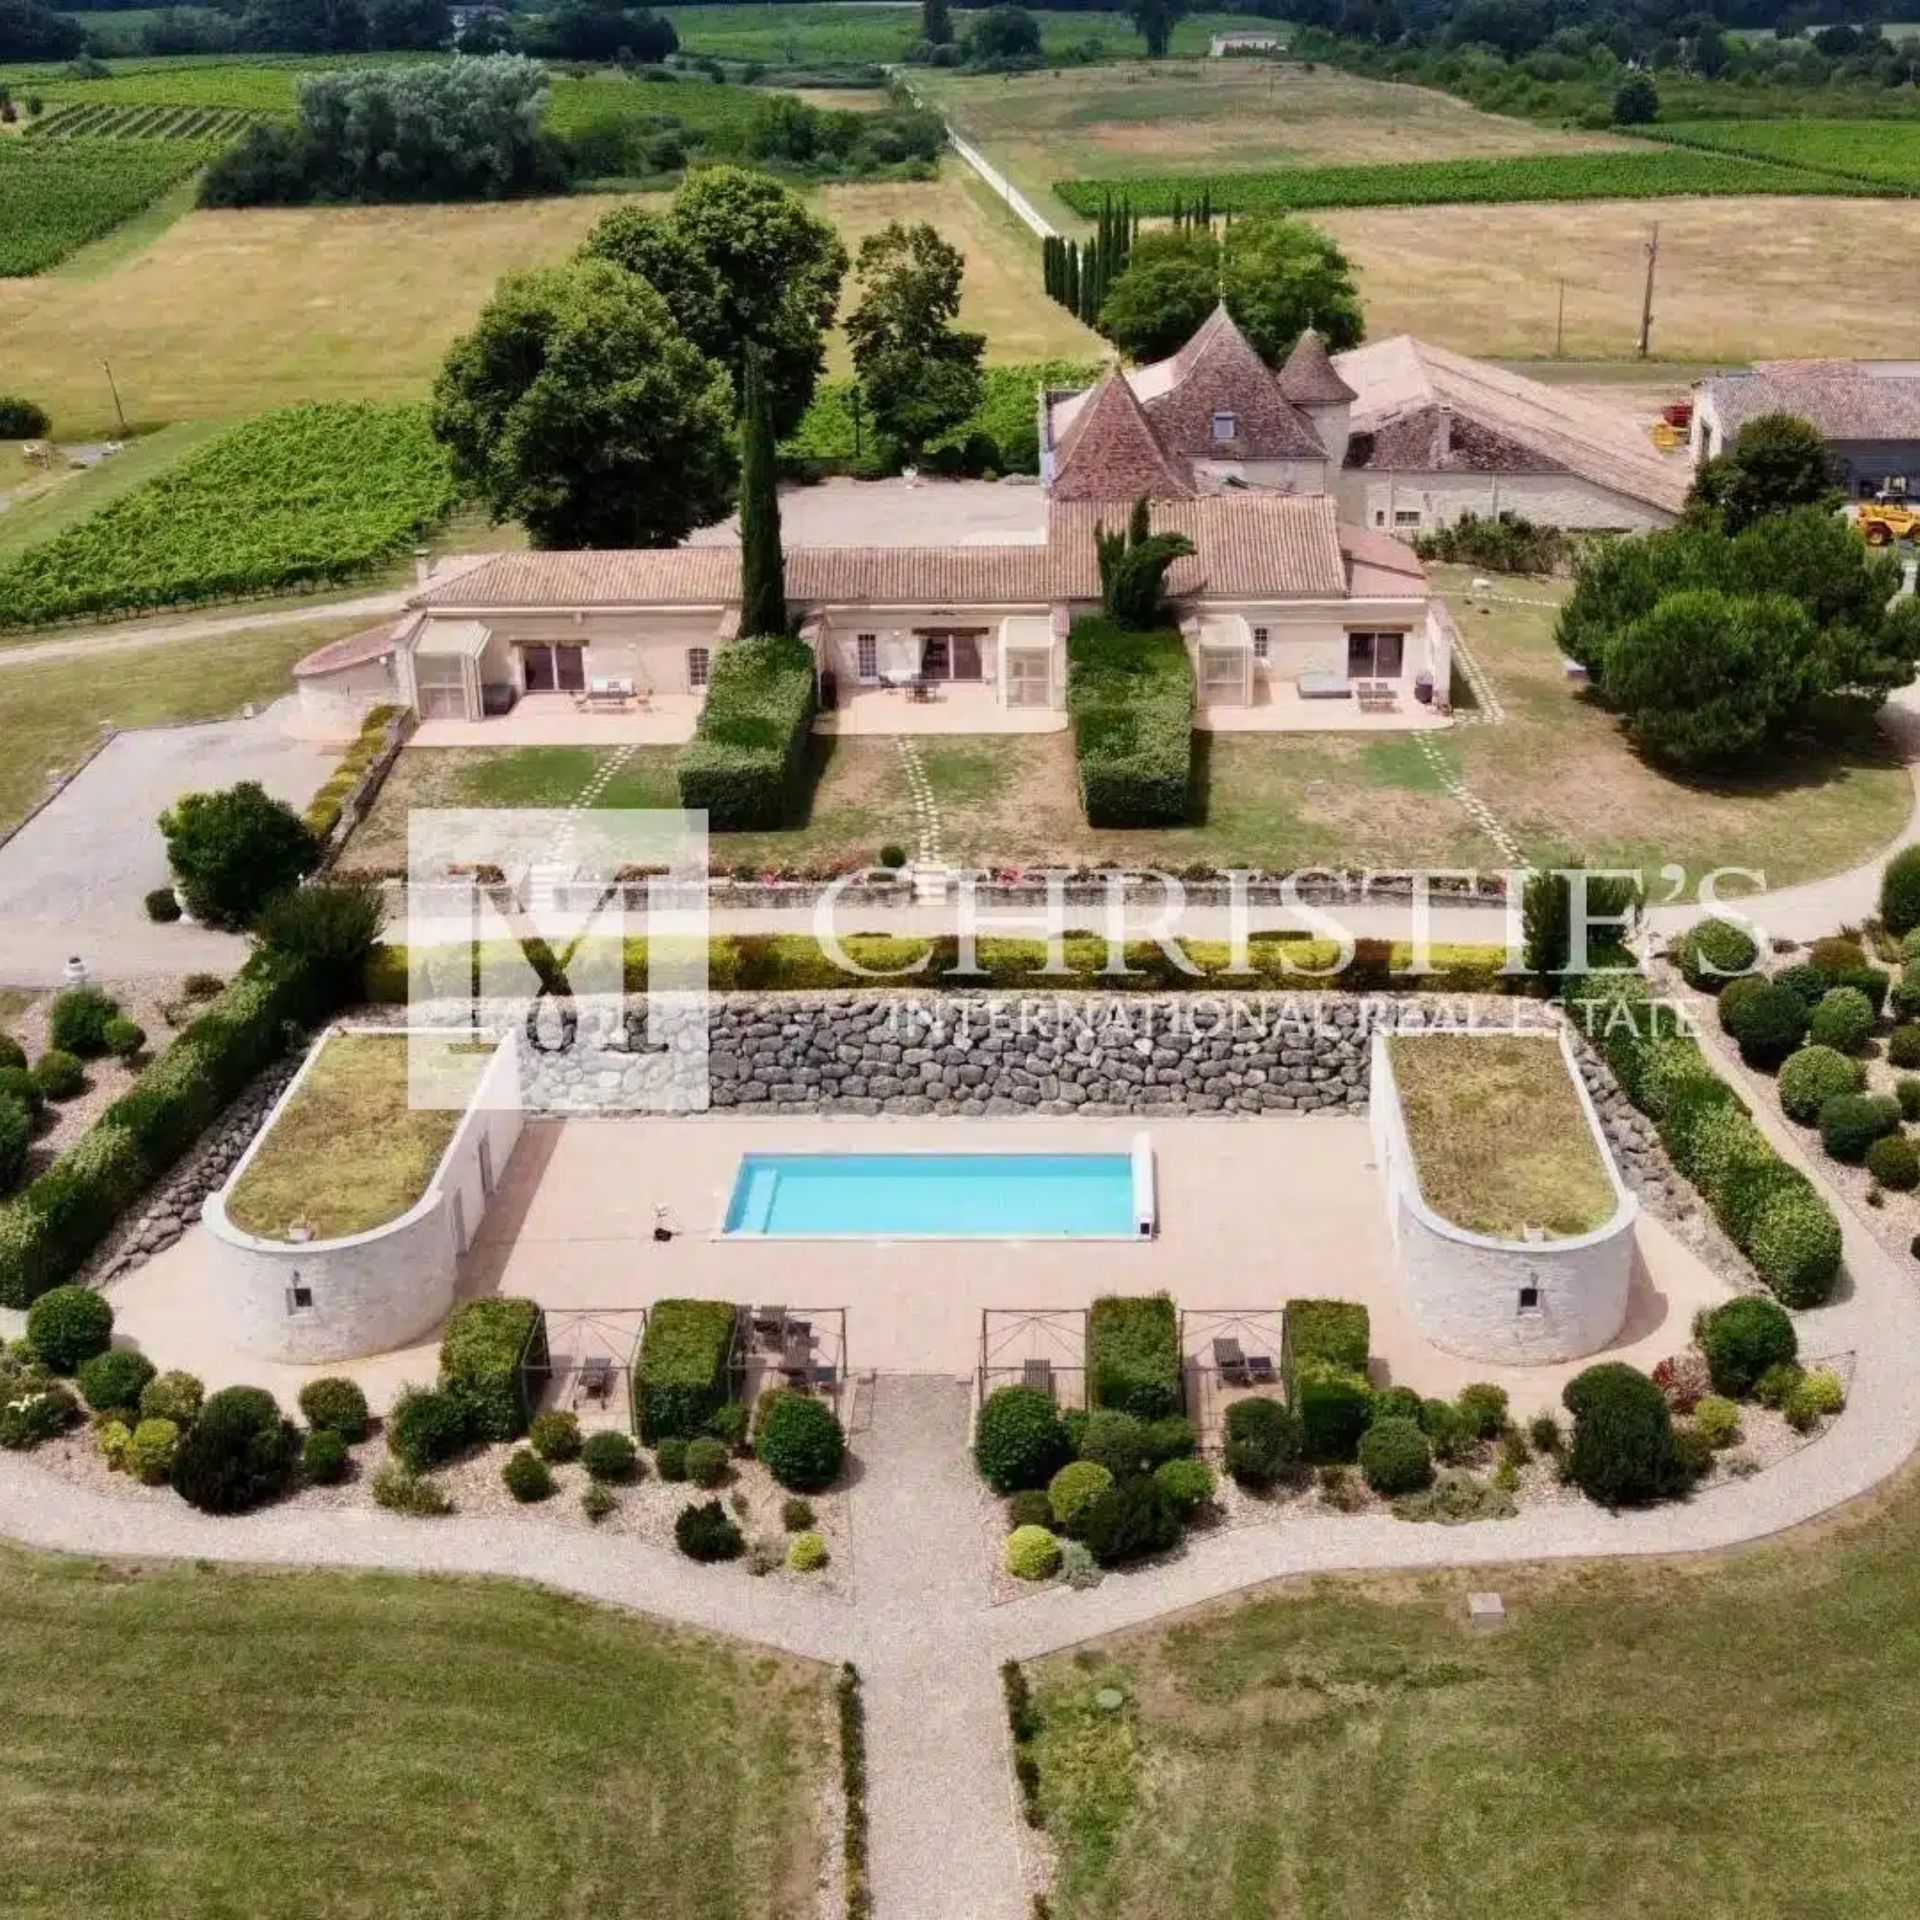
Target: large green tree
<point x="1277" y="275"/>
<point x="577" y="406"/>
<point x="921" y="372"/>
<point x="1153" y="21"/>
<point x="763" y="567"/>
<point x="1775" y="463"/>
<point x="740" y="261"/>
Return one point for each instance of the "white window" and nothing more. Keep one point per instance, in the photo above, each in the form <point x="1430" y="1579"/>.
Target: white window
<point x="699" y="664"/>
<point x="866" y="656"/>
<point x="1225" y="427"/>
<point x="1260" y="643"/>
<point x="1403" y="517"/>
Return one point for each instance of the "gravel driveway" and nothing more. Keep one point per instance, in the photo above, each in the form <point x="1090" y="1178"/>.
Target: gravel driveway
<point x="72" y="879"/>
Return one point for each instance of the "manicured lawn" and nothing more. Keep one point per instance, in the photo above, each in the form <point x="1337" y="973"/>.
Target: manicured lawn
<point x="335" y="1747"/>
<point x="356" y="1145"/>
<point x="1724" y="1737"/>
<point x="53" y="708"/>
<point x="1500" y="1141"/>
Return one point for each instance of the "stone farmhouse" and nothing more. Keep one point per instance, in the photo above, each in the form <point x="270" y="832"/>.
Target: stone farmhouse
<point x="1867" y="411"/>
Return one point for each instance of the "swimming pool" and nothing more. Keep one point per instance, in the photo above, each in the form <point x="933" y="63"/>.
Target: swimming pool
<point x="944" y="1196"/>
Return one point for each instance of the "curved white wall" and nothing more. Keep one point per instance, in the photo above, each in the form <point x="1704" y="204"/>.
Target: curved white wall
<point x="1463" y="1290"/>
<point x="376" y="1290"/>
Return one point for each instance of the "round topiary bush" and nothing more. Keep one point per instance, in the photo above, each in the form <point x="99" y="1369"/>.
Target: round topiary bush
<point x="1843" y="1020"/>
<point x="1018" y="1440"/>
<point x="173" y="1396"/>
<point x="1712" y="952"/>
<point x="1130" y="1521"/>
<point x="1903" y="1045"/>
<point x="1894" y="1164"/>
<point x="806" y="1553"/>
<point x="1737" y="992"/>
<point x="1853" y="1122"/>
<point x="12" y="1053"/>
<point x="323" y="1457"/>
<point x="1795" y="1246"/>
<point x="426" y="1428"/>
<point x="150" y="1452"/>
<point x="124" y="1038"/>
<point x="1396" y="1457"/>
<point x="16" y="1136"/>
<point x="555" y="1435"/>
<point x="1395" y="1403"/>
<point x="1074" y="1489"/>
<point x="1812" y="1077"/>
<point x="1805" y="979"/>
<point x="1031" y="1553"/>
<point x="1173" y="1437"/>
<point x="59" y="1076"/>
<point x="1030" y="1507"/>
<point x="240" y="1452"/>
<point x="1622" y="1452"/>
<point x="670" y="1457"/>
<point x="802" y="1444"/>
<point x="708" y="1461"/>
<point x="18" y="1083"/>
<point x="1262" y="1442"/>
<point x="1768" y="1025"/>
<point x="526" y="1476"/>
<point x="1117" y="1441"/>
<point x="1717" y="1420"/>
<point x="163" y="906"/>
<point x="609" y="1457"/>
<point x="67" y="1325"/>
<point x="337" y="1405"/>
<point x="1742" y="1340"/>
<point x="77" y="1021"/>
<point x="1187" y="1482"/>
<point x="1900" y="892"/>
<point x="703" y="1532"/>
<point x="112" y="1382"/>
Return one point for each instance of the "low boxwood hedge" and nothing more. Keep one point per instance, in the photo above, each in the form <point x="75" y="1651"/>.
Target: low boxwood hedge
<point x="1130" y="701"/>
<point x="480" y="1363"/>
<point x="1812" y="1077"/>
<point x="1334" y="1330"/>
<point x="681" y="1379"/>
<point x="747" y="764"/>
<point x="1133" y="1355"/>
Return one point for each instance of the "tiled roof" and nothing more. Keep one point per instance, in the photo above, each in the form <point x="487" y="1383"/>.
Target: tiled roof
<point x="1109" y="450"/>
<point x="356" y="650"/>
<point x="1258" y="545"/>
<point x="1844" y="399"/>
<point x="1380" y="568"/>
<point x="1219" y="373"/>
<point x="1309" y="379"/>
<point x="1498" y="417"/>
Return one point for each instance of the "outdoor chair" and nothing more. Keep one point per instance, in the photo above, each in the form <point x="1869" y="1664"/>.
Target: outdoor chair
<point x="1038" y="1374"/>
<point x="1377" y="696"/>
<point x="1231" y="1362"/>
<point x="796" y="1362"/>
<point x="1261" y="1371"/>
<point x="769" y="1323"/>
<point x="596" y="1378"/>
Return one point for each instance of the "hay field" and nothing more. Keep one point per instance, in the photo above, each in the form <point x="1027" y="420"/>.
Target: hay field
<point x="1737" y="278"/>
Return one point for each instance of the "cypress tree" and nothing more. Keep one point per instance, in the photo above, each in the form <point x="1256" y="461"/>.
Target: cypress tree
<point x="763" y="572"/>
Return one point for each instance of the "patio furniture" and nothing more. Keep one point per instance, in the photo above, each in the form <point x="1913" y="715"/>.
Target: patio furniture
<point x="1322" y="686"/>
<point x="1377" y="696"/>
<point x="1231" y="1362"/>
<point x="769" y="1324"/>
<point x="596" y="1378"/>
<point x="1261" y="1371"/>
<point x="801" y="1330"/>
<point x="1038" y="1374"/>
<point x="921" y="692"/>
<point x="796" y="1362"/>
<point x="610" y="693"/>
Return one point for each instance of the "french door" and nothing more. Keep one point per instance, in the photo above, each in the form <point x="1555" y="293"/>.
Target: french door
<point x="554" y="669"/>
<point x="1375" y="656"/>
<point x="951" y="655"/>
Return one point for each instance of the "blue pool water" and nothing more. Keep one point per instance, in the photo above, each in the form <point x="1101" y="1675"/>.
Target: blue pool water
<point x="986" y="1196"/>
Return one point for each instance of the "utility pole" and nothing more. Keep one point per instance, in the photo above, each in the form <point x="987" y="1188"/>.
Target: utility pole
<point x="1560" y="323"/>
<point x="1646" y="303"/>
<point x="118" y="409"/>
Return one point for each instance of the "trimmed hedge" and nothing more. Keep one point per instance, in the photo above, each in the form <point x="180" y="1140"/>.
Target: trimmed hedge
<point x="1133" y="1355"/>
<point x="480" y="1362"/>
<point x="802" y="1444"/>
<point x="1327" y="1344"/>
<point x="1900" y="892"/>
<point x="747" y="764"/>
<point x="1395" y="1457"/>
<point x="1333" y="1330"/>
<point x="1769" y="1023"/>
<point x="1018" y="1441"/>
<point x="681" y="1380"/>
<point x="1130" y="701"/>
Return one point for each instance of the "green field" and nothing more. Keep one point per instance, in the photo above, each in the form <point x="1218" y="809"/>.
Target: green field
<point x="307" y="1746"/>
<point x="59" y="194"/>
<point x="1558" y="176"/>
<point x="258" y="82"/>
<point x="139" y="120"/>
<point x="1874" y="152"/>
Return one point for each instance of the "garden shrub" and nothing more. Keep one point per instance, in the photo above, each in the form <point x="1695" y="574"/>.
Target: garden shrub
<point x="1903" y="1045"/>
<point x="111" y="1437"/>
<point x="598" y="1500"/>
<point x="1448" y="1432"/>
<point x="555" y="1435"/>
<point x="240" y="1451"/>
<point x="1775" y="1386"/>
<point x="1543" y="1430"/>
<point x="481" y="1362"/>
<point x="163" y="906"/>
<point x="22" y="419"/>
<point x="150" y="1451"/>
<point x="1018" y="1440"/>
<point x="1117" y="1441"/>
<point x="400" y="1491"/>
<point x="707" y="1462"/>
<point x="1805" y="979"/>
<point x="1684" y="1381"/>
<point x="1333" y="1406"/>
<point x="1900" y="892"/>
<point x="12" y="1053"/>
<point x="1133" y="1355"/>
<point x="1130" y="1521"/>
<point x="1692" y="1456"/>
<point x="1130" y="699"/>
<point x="1030" y="1507"/>
<point x="1187" y="1483"/>
<point x="796" y="1515"/>
<point x="1815" y="1396"/>
<point x="670" y="1458"/>
<point x="1078" y="1568"/>
<point x="323" y="1457"/>
<point x="1836" y="954"/>
<point x="703" y="1532"/>
<point x="18" y="1083"/>
<point x="526" y="1476"/>
<point x="1396" y="1403"/>
<point x="1170" y="1439"/>
<point x="1736" y="993"/>
<point x="112" y="1382"/>
<point x="1711" y="952"/>
<point x="336" y="1405"/>
<point x="1622" y="1453"/>
<point x="174" y="1396"/>
<point x="77" y="1021"/>
<point x="1484" y="1408"/>
<point x="609" y="1456"/>
<point x="124" y="1038"/>
<point x="427" y="1427"/>
<point x="681" y="1381"/>
<point x="1395" y="1458"/>
<point x="68" y="1325"/>
<point x="1456" y="1498"/>
<point x="1031" y="1553"/>
<point x="1796" y="1246"/>
<point x="1262" y="1442"/>
<point x="16" y="1136"/>
<point x="233" y="851"/>
<point x="802" y="1444"/>
<point x="1843" y="1020"/>
<point x="59" y="1075"/>
<point x="1812" y="1077"/>
<point x="1742" y="1340"/>
<point x="1853" y="1122"/>
<point x="731" y="1423"/>
<point x="1906" y="1090"/>
<point x="748" y="763"/>
<point x="1337" y="1331"/>
<point x="1875" y="983"/>
<point x="1717" y="1420"/>
<point x="1769" y="1025"/>
<point x="34" y="1413"/>
<point x="1894" y="1164"/>
<point x="806" y="1553"/>
<point x="1073" y="1490"/>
